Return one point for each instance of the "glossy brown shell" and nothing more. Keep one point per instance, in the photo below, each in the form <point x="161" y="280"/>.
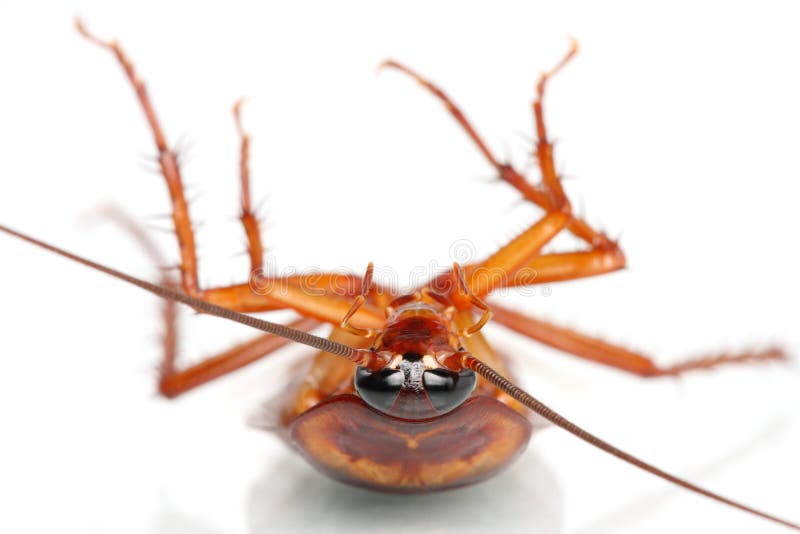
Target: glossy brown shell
<point x="351" y="442"/>
<point x="322" y="418"/>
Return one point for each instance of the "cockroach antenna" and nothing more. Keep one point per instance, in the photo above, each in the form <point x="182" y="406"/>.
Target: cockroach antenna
<point x="375" y="361"/>
<point x="362" y="357"/>
<point x="499" y="381"/>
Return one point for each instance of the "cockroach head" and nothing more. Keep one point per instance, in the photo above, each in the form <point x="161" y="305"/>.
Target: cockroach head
<point x="414" y="386"/>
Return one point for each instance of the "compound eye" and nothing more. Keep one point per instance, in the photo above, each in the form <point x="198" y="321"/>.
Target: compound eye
<point x="379" y="389"/>
<point x="446" y="389"/>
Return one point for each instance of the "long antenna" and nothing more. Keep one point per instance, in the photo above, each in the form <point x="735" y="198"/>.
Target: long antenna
<point x="501" y="382"/>
<point x="372" y="360"/>
<point x="362" y="357"/>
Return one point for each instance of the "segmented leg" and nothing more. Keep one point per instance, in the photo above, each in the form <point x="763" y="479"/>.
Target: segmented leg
<point x="597" y="350"/>
<point x="544" y="148"/>
<point x="249" y="220"/>
<point x="495" y="271"/>
<point x="519" y="262"/>
<point x="168" y="162"/>
<point x="550" y="196"/>
<point x="546" y="268"/>
<point x="327" y="305"/>
<point x="467" y="295"/>
<point x="561" y="266"/>
<point x="173" y="381"/>
<point x="359" y="301"/>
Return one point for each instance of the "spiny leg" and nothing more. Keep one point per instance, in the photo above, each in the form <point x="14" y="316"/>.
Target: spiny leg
<point x="172" y="380"/>
<point x="171" y="172"/>
<point x="169" y="167"/>
<point x="309" y="296"/>
<point x="561" y="266"/>
<point x="338" y="285"/>
<point x="550" y="178"/>
<point x="597" y="350"/>
<point x="545" y="197"/>
<point x="495" y="271"/>
<point x="328" y="306"/>
<point x="170" y="308"/>
<point x="249" y="220"/>
<point x="519" y="262"/>
<point x="541" y="269"/>
<point x="544" y="148"/>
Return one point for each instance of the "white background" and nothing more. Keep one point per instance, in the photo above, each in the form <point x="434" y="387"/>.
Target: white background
<point x="677" y="127"/>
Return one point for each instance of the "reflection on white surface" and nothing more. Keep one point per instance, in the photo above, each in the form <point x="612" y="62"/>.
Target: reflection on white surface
<point x="293" y="498"/>
<point x="634" y="512"/>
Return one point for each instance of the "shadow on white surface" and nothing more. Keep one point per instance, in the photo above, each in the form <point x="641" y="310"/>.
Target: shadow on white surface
<point x="291" y="497"/>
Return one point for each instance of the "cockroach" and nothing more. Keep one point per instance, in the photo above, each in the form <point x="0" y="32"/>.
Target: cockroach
<point x="405" y="395"/>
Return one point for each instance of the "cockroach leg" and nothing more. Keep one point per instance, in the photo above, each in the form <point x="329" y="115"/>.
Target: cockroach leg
<point x="319" y="296"/>
<point x="249" y="220"/>
<point x="262" y="293"/>
<point x="497" y="268"/>
<point x="167" y="162"/>
<point x="518" y="263"/>
<point x="119" y="217"/>
<point x="540" y="196"/>
<point x="544" y="148"/>
<point x="366" y="285"/>
<point x="560" y="266"/>
<point x="599" y="351"/>
<point x="454" y="110"/>
<point x="174" y="382"/>
<point x="474" y="300"/>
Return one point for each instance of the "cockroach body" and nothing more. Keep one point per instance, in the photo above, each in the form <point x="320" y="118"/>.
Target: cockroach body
<point x="429" y="427"/>
<point x="405" y="394"/>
